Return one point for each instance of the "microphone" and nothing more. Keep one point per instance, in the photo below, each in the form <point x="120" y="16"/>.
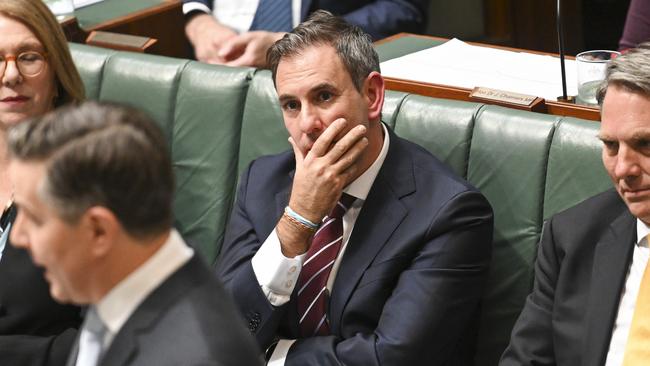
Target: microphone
<point x="560" y="40"/>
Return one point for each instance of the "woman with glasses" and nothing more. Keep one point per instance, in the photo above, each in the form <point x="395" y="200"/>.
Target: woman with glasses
<point x="36" y="75"/>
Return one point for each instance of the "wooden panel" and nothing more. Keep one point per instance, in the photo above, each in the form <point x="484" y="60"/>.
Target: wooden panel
<point x="530" y="24"/>
<point x="162" y="20"/>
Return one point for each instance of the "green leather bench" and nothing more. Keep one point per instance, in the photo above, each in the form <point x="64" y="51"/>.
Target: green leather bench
<point x="218" y="119"/>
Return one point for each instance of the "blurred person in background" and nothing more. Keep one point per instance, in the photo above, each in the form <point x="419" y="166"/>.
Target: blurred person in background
<point x="37" y="75"/>
<point x="239" y="32"/>
<point x="637" y="25"/>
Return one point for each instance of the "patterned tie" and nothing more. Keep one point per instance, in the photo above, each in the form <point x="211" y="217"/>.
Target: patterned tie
<point x="312" y="282"/>
<point x="637" y="349"/>
<point x="273" y="16"/>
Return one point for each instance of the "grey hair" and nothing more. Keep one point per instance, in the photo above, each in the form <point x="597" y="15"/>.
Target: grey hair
<point x="630" y="71"/>
<point x="352" y="44"/>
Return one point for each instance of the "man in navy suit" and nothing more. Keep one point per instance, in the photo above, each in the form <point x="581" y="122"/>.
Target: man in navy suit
<point x="237" y="32"/>
<point x="412" y="239"/>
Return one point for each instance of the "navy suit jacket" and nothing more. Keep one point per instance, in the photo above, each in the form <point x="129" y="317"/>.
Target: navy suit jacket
<point x="188" y="320"/>
<point x="581" y="266"/>
<point x="380" y="19"/>
<point x="409" y="283"/>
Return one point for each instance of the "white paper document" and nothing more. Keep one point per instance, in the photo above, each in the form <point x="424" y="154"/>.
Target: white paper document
<point x="456" y="63"/>
<point x="81" y="3"/>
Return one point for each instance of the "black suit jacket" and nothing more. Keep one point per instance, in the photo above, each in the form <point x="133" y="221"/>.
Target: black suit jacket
<point x="34" y="329"/>
<point x="188" y="320"/>
<point x="411" y="277"/>
<point x="581" y="267"/>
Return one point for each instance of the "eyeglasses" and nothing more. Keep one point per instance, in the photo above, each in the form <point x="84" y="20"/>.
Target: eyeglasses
<point x="29" y="63"/>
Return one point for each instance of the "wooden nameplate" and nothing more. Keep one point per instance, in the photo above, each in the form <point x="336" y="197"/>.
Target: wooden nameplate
<point x="508" y="99"/>
<point x="117" y="41"/>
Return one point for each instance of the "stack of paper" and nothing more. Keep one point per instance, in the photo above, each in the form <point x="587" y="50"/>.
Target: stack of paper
<point x="81" y="3"/>
<point x="456" y="63"/>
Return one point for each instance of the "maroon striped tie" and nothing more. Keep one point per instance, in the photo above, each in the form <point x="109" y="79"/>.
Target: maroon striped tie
<point x="312" y="282"/>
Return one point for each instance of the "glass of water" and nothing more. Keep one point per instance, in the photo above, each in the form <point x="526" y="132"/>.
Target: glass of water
<point x="591" y="72"/>
<point x="60" y="8"/>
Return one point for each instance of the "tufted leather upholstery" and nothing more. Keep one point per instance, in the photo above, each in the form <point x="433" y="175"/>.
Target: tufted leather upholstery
<point x="218" y="119"/>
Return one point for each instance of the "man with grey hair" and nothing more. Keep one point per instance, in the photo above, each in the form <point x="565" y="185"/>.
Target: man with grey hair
<point x="93" y="188"/>
<point x="357" y="247"/>
<point x="590" y="303"/>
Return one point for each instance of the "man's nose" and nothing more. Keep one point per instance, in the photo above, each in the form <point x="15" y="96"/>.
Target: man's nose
<point x="627" y="163"/>
<point x="310" y="120"/>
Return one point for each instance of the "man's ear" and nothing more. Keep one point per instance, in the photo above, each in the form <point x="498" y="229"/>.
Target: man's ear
<point x="102" y="228"/>
<point x="374" y="90"/>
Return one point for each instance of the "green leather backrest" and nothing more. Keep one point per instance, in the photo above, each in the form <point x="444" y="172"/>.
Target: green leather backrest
<point x="575" y="169"/>
<point x="508" y="158"/>
<point x="199" y="108"/>
<point x="262" y="130"/>
<point x="529" y="166"/>
<point x="444" y="127"/>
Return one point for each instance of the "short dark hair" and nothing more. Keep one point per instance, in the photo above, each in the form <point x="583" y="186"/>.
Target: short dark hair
<point x="101" y="154"/>
<point x="352" y="44"/>
<point x="630" y="71"/>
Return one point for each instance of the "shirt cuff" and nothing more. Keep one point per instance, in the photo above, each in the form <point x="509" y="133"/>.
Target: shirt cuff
<point x="280" y="353"/>
<point x="276" y="274"/>
<point x="188" y="7"/>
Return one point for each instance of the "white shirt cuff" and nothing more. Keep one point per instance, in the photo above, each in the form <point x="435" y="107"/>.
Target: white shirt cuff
<point x="276" y="274"/>
<point x="188" y="7"/>
<point x="280" y="353"/>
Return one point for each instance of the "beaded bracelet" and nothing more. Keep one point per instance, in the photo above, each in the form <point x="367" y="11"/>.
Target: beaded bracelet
<point x="291" y="214"/>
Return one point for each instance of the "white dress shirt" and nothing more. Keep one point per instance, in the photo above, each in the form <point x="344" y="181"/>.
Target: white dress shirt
<point x="4" y="238"/>
<point x="238" y="14"/>
<point x="116" y="307"/>
<point x="623" y="321"/>
<point x="277" y="274"/>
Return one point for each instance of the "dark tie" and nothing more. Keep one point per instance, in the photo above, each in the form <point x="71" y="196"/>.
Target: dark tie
<point x="273" y="16"/>
<point x="312" y="282"/>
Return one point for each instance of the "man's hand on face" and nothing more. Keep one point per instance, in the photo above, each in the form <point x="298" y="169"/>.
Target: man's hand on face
<point x="321" y="174"/>
<point x="208" y="36"/>
<point x="248" y="49"/>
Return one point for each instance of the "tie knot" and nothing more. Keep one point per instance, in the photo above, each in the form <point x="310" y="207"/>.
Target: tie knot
<point x="342" y="206"/>
<point x="94" y="324"/>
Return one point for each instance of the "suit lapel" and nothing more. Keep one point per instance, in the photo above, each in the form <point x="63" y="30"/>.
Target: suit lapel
<point x="74" y="352"/>
<point x="143" y="320"/>
<point x="611" y="262"/>
<point x="380" y="215"/>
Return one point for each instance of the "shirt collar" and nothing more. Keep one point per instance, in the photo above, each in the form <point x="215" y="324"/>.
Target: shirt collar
<point x="360" y="187"/>
<point x="642" y="230"/>
<point x="122" y="300"/>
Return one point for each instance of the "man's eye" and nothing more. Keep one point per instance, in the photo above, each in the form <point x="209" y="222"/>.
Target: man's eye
<point x="325" y="96"/>
<point x="610" y="145"/>
<point x="291" y="105"/>
<point x="643" y="144"/>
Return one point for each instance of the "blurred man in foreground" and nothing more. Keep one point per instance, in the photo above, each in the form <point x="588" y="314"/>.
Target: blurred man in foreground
<point x="93" y="188"/>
